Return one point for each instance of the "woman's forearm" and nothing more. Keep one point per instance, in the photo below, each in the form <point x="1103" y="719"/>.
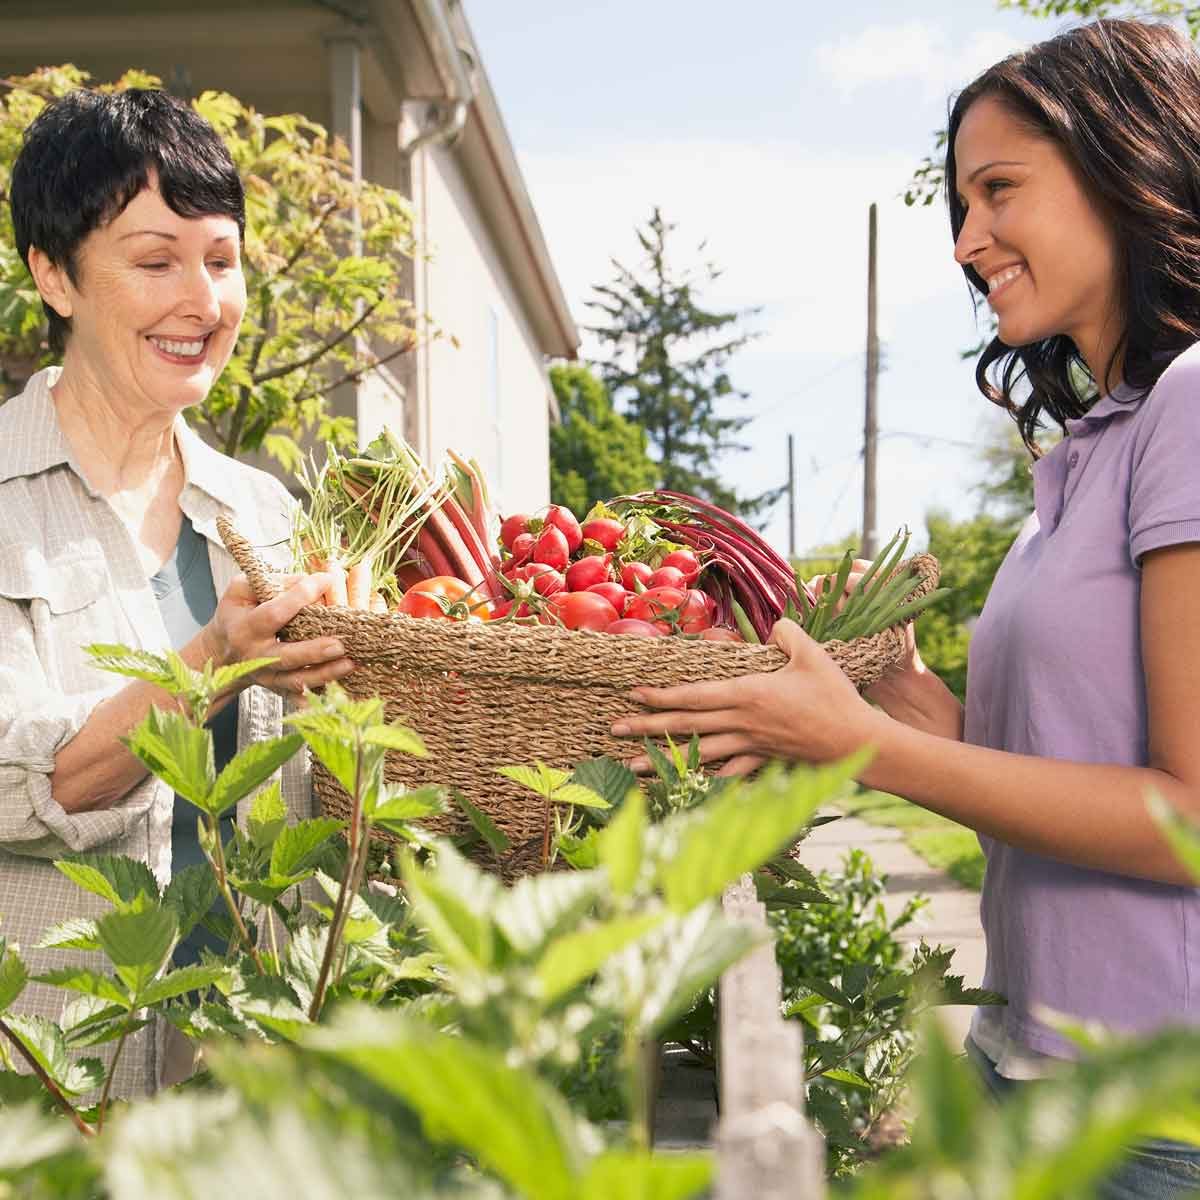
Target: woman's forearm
<point x="1089" y="815"/>
<point x="94" y="770"/>
<point x="917" y="697"/>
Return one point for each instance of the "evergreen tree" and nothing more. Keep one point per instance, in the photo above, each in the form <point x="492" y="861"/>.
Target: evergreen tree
<point x="666" y="364"/>
<point x="595" y="453"/>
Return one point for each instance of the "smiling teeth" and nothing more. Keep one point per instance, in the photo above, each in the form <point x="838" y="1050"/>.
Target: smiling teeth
<point x="182" y="349"/>
<point x="1004" y="277"/>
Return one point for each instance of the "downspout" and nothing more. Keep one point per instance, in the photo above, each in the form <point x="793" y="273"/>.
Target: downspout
<point x="447" y="56"/>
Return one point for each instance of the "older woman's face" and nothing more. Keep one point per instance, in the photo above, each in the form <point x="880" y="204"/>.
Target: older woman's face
<point x="159" y="303"/>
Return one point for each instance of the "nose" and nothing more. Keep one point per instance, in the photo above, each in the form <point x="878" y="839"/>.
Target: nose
<point x="973" y="237"/>
<point x="201" y="299"/>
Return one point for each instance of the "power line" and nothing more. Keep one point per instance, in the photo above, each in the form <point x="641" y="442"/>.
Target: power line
<point x="807" y="384"/>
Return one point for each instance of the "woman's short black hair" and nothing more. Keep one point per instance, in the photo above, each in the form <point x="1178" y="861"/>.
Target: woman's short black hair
<point x="88" y="154"/>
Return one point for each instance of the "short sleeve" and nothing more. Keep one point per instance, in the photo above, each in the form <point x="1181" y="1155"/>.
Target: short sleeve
<point x="36" y="721"/>
<point x="1164" y="488"/>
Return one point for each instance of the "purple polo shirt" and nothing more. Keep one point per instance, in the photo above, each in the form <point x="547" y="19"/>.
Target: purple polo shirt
<point x="1055" y="670"/>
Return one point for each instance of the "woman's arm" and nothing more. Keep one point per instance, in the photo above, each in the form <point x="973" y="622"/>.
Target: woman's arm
<point x="916" y="696"/>
<point x="1087" y="814"/>
<point x="93" y="770"/>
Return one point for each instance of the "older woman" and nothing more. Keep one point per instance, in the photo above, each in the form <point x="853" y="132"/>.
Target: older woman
<point x="129" y="214"/>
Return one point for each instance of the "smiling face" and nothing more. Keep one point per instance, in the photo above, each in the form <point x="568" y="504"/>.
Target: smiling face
<point x="1041" y="244"/>
<point x="157" y="306"/>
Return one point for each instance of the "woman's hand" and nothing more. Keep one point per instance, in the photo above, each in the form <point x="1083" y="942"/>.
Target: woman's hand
<point x="242" y="629"/>
<point x="807" y="711"/>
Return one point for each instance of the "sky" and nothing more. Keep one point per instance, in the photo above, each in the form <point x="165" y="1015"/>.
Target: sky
<point x="764" y="131"/>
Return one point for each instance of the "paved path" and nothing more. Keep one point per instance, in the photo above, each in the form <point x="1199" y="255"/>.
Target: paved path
<point x="951" y="917"/>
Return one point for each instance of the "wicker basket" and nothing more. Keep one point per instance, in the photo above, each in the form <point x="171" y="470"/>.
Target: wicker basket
<point x="483" y="696"/>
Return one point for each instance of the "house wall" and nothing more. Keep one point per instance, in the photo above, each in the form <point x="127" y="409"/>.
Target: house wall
<point x="489" y="397"/>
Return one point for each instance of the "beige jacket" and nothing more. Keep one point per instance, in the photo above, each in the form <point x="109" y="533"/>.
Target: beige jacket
<point x="70" y="576"/>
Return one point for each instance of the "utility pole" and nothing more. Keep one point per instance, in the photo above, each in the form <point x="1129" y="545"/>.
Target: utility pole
<point x="870" y="423"/>
<point x="791" y="490"/>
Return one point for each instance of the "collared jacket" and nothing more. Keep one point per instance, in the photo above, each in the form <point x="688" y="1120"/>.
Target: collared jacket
<point x="69" y="577"/>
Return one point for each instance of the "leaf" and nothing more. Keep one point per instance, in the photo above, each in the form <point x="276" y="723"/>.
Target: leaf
<point x="267" y="816"/>
<point x="190" y="894"/>
<point x="620" y="844"/>
<point x="396" y="737"/>
<point x="113" y="877"/>
<point x="76" y="933"/>
<point x="28" y="1137"/>
<point x="664" y="768"/>
<point x="175" y="983"/>
<point x="574" y="957"/>
<point x="247" y="770"/>
<point x="482" y="824"/>
<point x="743" y="826"/>
<point x="631" y="1175"/>
<point x="580" y="796"/>
<point x="90" y="983"/>
<point x="537" y="907"/>
<point x="606" y="777"/>
<point x="466" y="1095"/>
<point x="1182" y="834"/>
<point x="529" y="777"/>
<point x="400" y="805"/>
<point x="134" y="664"/>
<point x="580" y="852"/>
<point x="44" y="1040"/>
<point x="13" y="977"/>
<point x="138" y="942"/>
<point x="335" y="753"/>
<point x="177" y="752"/>
<point x="225" y="677"/>
<point x="841" y="1075"/>
<point x="297" y="848"/>
<point x="452" y="904"/>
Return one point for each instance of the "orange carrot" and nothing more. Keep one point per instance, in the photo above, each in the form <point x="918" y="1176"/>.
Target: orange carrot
<point x="335" y="593"/>
<point x="378" y="603"/>
<point x="358" y="583"/>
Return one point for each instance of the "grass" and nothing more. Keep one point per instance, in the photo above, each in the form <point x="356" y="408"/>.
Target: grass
<point x="942" y="843"/>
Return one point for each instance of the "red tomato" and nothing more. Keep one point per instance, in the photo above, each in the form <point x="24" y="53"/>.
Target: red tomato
<point x="667" y="577"/>
<point x="513" y="526"/>
<point x="656" y="604"/>
<point x="632" y="628"/>
<point x="578" y="610"/>
<point x="684" y="561"/>
<point x="582" y="574"/>
<point x="545" y="579"/>
<point x="563" y="519"/>
<point x="444" y="596"/>
<point x="614" y="593"/>
<point x="720" y="633"/>
<point x="634" y="573"/>
<point x="604" y="530"/>
<point x="551" y="548"/>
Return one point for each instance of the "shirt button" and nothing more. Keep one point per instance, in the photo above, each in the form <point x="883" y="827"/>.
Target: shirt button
<point x="1073" y="460"/>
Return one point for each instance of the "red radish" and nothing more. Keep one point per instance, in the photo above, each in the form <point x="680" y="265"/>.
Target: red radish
<point x="614" y="593"/>
<point x="504" y="607"/>
<point x="563" y="519"/>
<point x="635" y="573"/>
<point x="656" y="604"/>
<point x="522" y="548"/>
<point x="545" y="579"/>
<point x="685" y="561"/>
<point x="721" y="633"/>
<point x="551" y="548"/>
<point x="667" y="577"/>
<point x="578" y="610"/>
<point x="586" y="571"/>
<point x="604" y="530"/>
<point x="511" y="567"/>
<point x="631" y="628"/>
<point x="512" y="528"/>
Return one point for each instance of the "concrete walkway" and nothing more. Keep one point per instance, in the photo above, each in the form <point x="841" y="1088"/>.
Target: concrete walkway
<point x="951" y="917"/>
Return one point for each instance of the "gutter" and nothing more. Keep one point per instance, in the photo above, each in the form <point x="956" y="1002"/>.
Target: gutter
<point x="448" y="58"/>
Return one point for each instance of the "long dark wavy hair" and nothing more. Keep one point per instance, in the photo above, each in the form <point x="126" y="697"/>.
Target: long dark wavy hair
<point x="1122" y="99"/>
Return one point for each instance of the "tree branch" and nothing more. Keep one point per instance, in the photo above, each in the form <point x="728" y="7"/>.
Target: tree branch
<point x="320" y="351"/>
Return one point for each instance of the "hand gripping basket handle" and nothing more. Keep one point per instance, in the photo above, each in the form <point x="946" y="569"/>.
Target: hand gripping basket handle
<point x="245" y="557"/>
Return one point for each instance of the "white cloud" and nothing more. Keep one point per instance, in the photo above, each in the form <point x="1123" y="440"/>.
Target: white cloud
<point x="915" y="52"/>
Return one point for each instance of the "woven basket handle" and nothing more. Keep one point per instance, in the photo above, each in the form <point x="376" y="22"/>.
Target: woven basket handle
<point x="244" y="555"/>
<point x="929" y="570"/>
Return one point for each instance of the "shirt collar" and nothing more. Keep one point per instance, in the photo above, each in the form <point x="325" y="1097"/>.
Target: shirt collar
<point x="1122" y="399"/>
<point x="29" y="429"/>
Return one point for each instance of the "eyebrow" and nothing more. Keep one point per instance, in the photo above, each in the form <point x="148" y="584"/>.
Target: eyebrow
<point x="225" y="237"/>
<point x="996" y="162"/>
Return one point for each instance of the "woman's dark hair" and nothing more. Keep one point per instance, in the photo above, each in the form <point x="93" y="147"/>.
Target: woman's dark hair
<point x="1122" y="99"/>
<point x="87" y="155"/>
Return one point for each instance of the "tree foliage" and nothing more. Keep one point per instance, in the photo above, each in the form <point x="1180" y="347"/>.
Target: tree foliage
<point x="666" y="361"/>
<point x="595" y="452"/>
<point x="324" y="259"/>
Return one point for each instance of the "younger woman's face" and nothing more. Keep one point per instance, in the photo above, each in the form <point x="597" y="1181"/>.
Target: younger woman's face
<point x="1033" y="234"/>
